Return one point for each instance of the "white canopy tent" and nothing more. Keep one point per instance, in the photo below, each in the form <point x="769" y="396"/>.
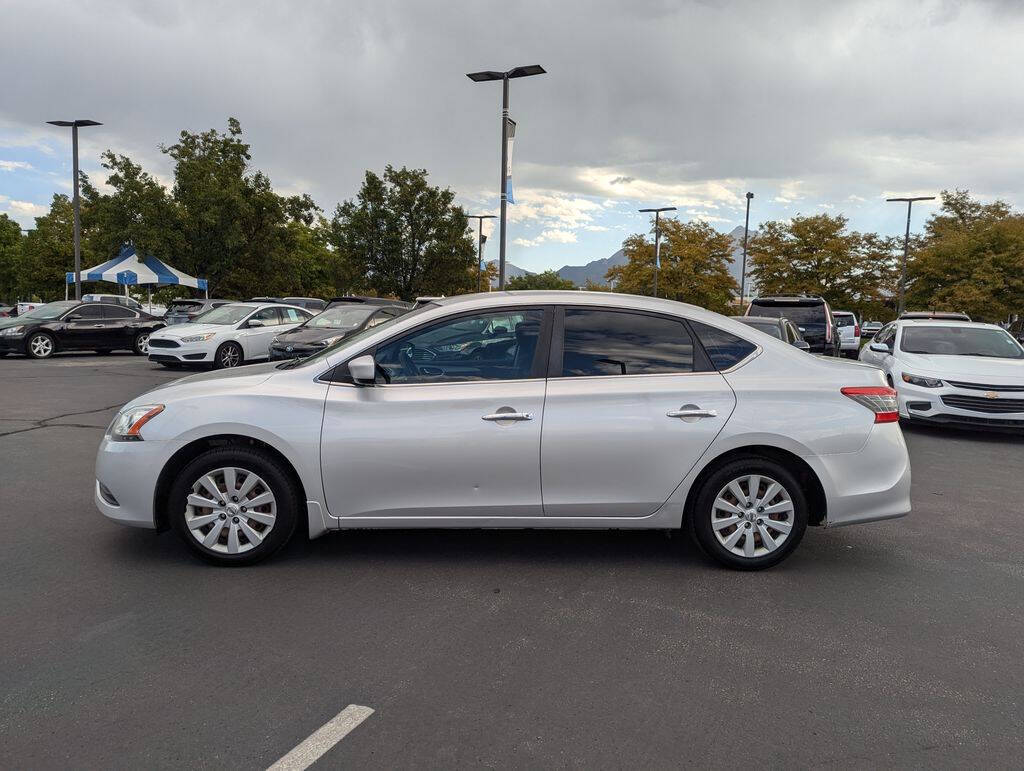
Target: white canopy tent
<point x="131" y="269"/>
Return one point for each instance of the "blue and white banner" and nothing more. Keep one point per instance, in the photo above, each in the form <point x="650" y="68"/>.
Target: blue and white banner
<point x="510" y="140"/>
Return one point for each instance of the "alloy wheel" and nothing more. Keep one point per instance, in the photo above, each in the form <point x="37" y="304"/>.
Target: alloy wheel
<point x="230" y="356"/>
<point x="142" y="343"/>
<point x="230" y="510"/>
<point x="752" y="516"/>
<point x="41" y="346"/>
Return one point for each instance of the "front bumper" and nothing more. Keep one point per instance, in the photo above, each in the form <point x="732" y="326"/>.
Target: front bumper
<point x="129" y="471"/>
<point x="950" y="405"/>
<point x="12" y="343"/>
<point x="184" y="353"/>
<point x="869" y="485"/>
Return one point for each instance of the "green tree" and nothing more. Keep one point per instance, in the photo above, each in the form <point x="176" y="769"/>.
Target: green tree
<point x="10" y="258"/>
<point x="48" y="252"/>
<point x="971" y="259"/>
<point x="402" y="237"/>
<point x="818" y="255"/>
<point x="549" y="279"/>
<point x="694" y="265"/>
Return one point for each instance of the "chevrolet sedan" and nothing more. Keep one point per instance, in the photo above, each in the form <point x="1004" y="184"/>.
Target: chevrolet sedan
<point x="514" y="410"/>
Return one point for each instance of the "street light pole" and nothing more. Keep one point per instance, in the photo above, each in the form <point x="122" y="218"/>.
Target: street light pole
<point x="504" y="77"/>
<point x="74" y="124"/>
<point x="743" y="274"/>
<point x="906" y="246"/>
<point x="480" y="247"/>
<point x="657" y="240"/>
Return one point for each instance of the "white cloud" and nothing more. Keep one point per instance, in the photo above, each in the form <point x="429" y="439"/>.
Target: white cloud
<point x="26" y="208"/>
<point x="15" y="165"/>
<point x="708" y="193"/>
<point x="559" y="236"/>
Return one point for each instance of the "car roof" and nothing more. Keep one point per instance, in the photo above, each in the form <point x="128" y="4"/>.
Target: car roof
<point x="761" y="319"/>
<point x="843" y="313"/>
<point x="789" y="300"/>
<point x="944" y="323"/>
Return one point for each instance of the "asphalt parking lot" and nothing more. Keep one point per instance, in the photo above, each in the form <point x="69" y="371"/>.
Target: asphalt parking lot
<point x="893" y="644"/>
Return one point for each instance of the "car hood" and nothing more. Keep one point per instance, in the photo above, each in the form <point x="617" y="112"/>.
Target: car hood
<point x="213" y="382"/>
<point x="970" y="369"/>
<point x="185" y="330"/>
<point x="14" y="321"/>
<point x="306" y="335"/>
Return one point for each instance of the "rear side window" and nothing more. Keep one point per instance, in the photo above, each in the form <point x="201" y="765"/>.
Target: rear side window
<point x="723" y="348"/>
<point x="598" y="342"/>
<point x="116" y="312"/>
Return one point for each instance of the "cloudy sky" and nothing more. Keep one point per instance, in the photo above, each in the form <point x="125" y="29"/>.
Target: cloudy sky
<point x="813" y="106"/>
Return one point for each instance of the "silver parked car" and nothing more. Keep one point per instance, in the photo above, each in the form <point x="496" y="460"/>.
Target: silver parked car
<point x="517" y="409"/>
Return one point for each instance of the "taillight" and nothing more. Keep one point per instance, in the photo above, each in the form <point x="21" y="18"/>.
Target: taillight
<point x="856" y="330"/>
<point x="881" y="400"/>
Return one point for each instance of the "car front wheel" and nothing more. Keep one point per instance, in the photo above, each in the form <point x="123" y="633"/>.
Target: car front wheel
<point x="750" y="514"/>
<point x="40" y="346"/>
<point x="234" y="505"/>
<point x="228" y="355"/>
<point x="140" y="345"/>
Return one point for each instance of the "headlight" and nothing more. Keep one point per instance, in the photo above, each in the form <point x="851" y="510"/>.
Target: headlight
<point x="11" y="331"/>
<point x="126" y="426"/>
<point x="330" y="341"/>
<point x="198" y="338"/>
<point x="925" y="382"/>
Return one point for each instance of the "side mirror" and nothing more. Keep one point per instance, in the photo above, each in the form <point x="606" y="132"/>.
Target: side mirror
<point x="255" y="323"/>
<point x="880" y="348"/>
<point x="803" y="345"/>
<point x="74" y="317"/>
<point x="802" y="330"/>
<point x="363" y="370"/>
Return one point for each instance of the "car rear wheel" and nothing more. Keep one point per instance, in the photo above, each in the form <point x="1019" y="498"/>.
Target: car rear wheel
<point x="40" y="346"/>
<point x="228" y="355"/>
<point x="750" y="514"/>
<point x="234" y="505"/>
<point x="140" y="345"/>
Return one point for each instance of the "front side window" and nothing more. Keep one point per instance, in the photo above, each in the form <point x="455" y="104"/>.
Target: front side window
<point x="293" y="315"/>
<point x="83" y="312"/>
<point x="269" y="317"/>
<point x="598" y="342"/>
<point x="485" y="346"/>
<point x="723" y="348"/>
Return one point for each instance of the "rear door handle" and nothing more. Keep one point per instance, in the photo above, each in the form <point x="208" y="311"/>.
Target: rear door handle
<point x="692" y="412"/>
<point x="509" y="416"/>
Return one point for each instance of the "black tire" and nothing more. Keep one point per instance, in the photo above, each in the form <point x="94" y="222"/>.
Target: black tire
<point x="140" y="344"/>
<point x="700" y="520"/>
<point x="278" y="481"/>
<point x="36" y="351"/>
<point x="228" y="355"/>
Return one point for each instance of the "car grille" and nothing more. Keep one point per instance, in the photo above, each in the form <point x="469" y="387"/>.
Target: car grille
<point x="161" y="343"/>
<point x="982" y="404"/>
<point x="983" y="387"/>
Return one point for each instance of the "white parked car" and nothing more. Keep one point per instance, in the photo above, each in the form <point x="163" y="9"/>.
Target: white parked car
<point x="517" y="409"/>
<point x="952" y="372"/>
<point x="849" y="333"/>
<point x="226" y="336"/>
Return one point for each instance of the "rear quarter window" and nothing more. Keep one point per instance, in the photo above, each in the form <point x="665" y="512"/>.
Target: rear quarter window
<point x="723" y="348"/>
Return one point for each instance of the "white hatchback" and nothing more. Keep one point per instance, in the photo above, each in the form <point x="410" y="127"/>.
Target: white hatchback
<point x="517" y="409"/>
<point x="226" y="336"/>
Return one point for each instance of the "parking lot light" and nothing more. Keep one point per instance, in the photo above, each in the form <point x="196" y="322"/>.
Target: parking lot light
<point x="906" y="245"/>
<point x="657" y="240"/>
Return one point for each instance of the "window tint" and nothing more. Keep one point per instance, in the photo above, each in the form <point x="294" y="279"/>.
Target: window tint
<point x="115" y="312"/>
<point x="486" y="346"/>
<point x="802" y="314"/>
<point x="91" y="311"/>
<point x="723" y="348"/>
<point x="617" y="343"/>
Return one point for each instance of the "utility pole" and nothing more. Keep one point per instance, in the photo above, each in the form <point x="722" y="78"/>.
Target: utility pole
<point x="504" y="77"/>
<point x="743" y="275"/>
<point x="480" y="246"/>
<point x="657" y="240"/>
<point x="74" y="124"/>
<point x="906" y="248"/>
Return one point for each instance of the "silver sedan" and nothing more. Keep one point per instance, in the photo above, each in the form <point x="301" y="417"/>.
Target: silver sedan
<point x="517" y="409"/>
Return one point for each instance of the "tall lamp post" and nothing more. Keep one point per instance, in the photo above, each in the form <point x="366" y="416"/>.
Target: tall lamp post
<point x="480" y="246"/>
<point x="743" y="274"/>
<point x="504" y="77"/>
<point x="906" y="246"/>
<point x="75" y="124"/>
<point x="657" y="240"/>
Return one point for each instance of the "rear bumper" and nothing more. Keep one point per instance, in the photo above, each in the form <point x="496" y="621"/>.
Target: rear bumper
<point x="852" y="344"/>
<point x="869" y="485"/>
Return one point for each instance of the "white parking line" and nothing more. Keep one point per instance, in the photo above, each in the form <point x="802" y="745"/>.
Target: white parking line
<point x="321" y="740"/>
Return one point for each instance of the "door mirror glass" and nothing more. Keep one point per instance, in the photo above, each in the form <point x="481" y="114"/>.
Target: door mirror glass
<point x="256" y="323"/>
<point x="880" y="348"/>
<point x="363" y="369"/>
<point x="803" y="345"/>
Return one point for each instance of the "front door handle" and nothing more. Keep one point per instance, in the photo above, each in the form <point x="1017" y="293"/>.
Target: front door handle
<point x="509" y="416"/>
<point x="692" y="411"/>
<point x="97" y="325"/>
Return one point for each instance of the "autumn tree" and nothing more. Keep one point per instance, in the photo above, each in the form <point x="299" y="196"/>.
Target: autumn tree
<point x="402" y="237"/>
<point x="694" y="265"/>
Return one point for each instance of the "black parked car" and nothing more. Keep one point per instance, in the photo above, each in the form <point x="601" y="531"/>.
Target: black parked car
<point x="71" y="325"/>
<point x="781" y="329"/>
<point x="811" y="315"/>
<point x="184" y="310"/>
<point x="338" y="321"/>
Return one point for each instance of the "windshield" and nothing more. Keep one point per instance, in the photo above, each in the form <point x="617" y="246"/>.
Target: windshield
<point x="340" y="318"/>
<point x="960" y="341"/>
<point x="801" y="315"/>
<point x="225" y="314"/>
<point x="352" y="340"/>
<point x="843" y="320"/>
<point x="49" y="311"/>
<point x="767" y="328"/>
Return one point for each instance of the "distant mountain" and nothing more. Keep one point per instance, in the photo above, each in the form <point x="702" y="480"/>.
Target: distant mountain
<point x="593" y="271"/>
<point x="511" y="271"/>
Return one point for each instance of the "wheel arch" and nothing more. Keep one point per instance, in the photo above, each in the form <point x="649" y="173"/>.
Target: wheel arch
<point x="183" y="456"/>
<point x="816" y="500"/>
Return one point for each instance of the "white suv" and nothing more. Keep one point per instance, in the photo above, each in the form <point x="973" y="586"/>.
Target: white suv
<point x="849" y="333"/>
